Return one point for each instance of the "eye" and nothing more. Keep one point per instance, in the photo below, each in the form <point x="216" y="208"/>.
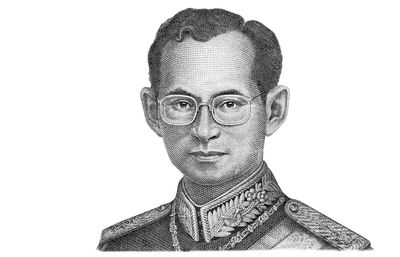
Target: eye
<point x="182" y="105"/>
<point x="230" y="104"/>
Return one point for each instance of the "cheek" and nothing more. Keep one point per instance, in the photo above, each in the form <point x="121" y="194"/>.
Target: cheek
<point x="176" y="138"/>
<point x="248" y="140"/>
<point x="253" y="131"/>
<point x="258" y="123"/>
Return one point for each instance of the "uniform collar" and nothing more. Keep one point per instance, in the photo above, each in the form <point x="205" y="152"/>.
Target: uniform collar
<point x="229" y="211"/>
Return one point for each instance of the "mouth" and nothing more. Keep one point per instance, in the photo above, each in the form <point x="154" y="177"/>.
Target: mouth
<point x="208" y="156"/>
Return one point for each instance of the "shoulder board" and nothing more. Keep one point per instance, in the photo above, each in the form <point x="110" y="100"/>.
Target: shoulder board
<point x="324" y="227"/>
<point x="134" y="223"/>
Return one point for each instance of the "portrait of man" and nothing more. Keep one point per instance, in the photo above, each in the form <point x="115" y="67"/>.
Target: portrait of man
<point x="214" y="97"/>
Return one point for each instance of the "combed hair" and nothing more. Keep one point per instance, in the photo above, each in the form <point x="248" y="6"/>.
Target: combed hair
<point x="204" y="24"/>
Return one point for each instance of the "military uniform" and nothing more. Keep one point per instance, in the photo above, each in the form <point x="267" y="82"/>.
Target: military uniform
<point x="254" y="215"/>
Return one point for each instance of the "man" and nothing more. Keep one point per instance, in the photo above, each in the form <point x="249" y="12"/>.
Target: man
<point x="214" y="97"/>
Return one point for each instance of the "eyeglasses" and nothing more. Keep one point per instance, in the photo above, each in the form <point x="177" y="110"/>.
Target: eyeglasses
<point x="230" y="110"/>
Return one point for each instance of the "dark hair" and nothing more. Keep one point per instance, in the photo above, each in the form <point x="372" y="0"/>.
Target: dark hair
<point x="204" y="24"/>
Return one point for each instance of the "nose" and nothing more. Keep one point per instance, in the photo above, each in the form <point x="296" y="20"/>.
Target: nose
<point x="205" y="128"/>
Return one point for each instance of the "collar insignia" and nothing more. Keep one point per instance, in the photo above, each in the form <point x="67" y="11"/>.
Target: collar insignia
<point x="231" y="211"/>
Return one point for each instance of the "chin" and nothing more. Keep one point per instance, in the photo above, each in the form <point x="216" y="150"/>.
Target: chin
<point x="203" y="173"/>
<point x="209" y="177"/>
<point x="206" y="181"/>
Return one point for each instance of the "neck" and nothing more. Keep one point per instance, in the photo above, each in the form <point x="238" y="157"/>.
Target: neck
<point x="201" y="194"/>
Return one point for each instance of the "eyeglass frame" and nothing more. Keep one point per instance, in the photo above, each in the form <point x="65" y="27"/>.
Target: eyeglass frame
<point x="210" y="108"/>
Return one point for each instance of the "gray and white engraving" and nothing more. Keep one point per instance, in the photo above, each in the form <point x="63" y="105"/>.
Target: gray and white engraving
<point x="213" y="99"/>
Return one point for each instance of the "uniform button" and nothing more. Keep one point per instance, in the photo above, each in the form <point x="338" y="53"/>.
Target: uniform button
<point x="294" y="207"/>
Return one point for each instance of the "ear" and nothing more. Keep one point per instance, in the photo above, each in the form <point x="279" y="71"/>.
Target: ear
<point x="277" y="103"/>
<point x="150" y="109"/>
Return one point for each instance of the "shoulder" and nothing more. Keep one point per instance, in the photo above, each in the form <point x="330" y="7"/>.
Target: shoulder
<point x="134" y="223"/>
<point x="322" y="227"/>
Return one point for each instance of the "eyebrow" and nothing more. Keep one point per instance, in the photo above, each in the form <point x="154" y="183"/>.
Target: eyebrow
<point x="228" y="92"/>
<point x="180" y="91"/>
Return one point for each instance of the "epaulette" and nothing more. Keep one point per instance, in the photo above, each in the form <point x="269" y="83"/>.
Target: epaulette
<point x="134" y="223"/>
<point x="329" y="230"/>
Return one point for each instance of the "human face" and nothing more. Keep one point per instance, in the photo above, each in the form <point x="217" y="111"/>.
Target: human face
<point x="204" y="151"/>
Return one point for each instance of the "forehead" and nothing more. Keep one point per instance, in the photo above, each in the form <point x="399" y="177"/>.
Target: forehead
<point x="205" y="68"/>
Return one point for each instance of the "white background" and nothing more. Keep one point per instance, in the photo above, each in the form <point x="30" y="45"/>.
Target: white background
<point x="76" y="154"/>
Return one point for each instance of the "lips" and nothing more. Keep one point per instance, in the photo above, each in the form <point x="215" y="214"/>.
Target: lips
<point x="207" y="156"/>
